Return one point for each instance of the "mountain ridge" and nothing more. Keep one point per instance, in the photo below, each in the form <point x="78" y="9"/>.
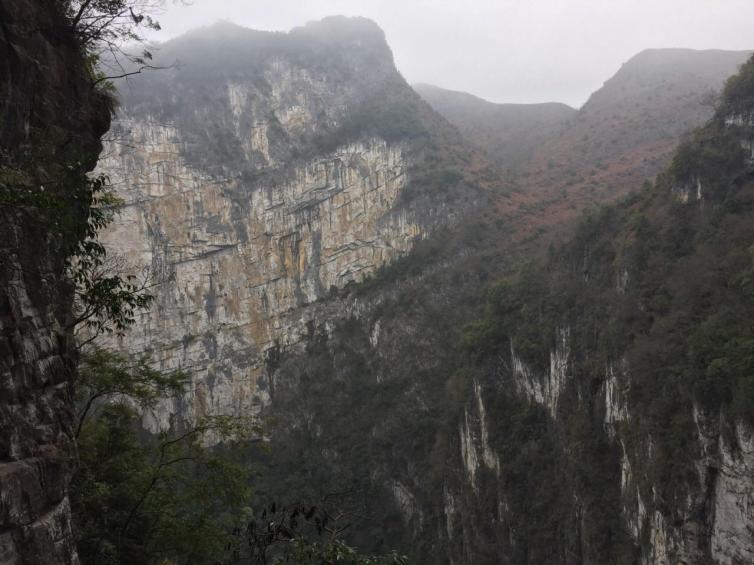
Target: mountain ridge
<point x="425" y="86"/>
<point x="647" y="104"/>
<point x="510" y="133"/>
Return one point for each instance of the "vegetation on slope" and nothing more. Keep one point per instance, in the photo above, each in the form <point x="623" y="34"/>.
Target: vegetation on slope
<point x="662" y="280"/>
<point x="143" y="499"/>
<point x="628" y="130"/>
<point x="510" y="133"/>
<point x="169" y="498"/>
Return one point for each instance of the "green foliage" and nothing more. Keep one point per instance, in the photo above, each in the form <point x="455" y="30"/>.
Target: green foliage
<point x="721" y="348"/>
<point x="139" y="498"/>
<point x="302" y="535"/>
<point x="64" y="199"/>
<point x="105" y="301"/>
<point x="682" y="321"/>
<point x="73" y="208"/>
<point x="391" y="112"/>
<point x="99" y="24"/>
<point x="549" y="471"/>
<point x="738" y="94"/>
<point x="431" y="182"/>
<point x="167" y="498"/>
<point x="713" y="157"/>
<point x="393" y="407"/>
<point x="532" y="477"/>
<point x="104" y="374"/>
<point x="306" y="553"/>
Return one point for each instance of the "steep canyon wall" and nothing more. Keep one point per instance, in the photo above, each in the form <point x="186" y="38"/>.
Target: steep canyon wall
<point x="254" y="197"/>
<point x="51" y="120"/>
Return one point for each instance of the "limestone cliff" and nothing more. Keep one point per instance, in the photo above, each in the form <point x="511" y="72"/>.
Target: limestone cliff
<point x="50" y="123"/>
<point x="295" y="169"/>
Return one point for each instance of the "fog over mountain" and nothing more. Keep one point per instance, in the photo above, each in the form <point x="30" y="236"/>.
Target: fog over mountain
<point x="503" y="50"/>
<point x="657" y="96"/>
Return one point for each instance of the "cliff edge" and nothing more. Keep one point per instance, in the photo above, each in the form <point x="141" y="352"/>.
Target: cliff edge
<point x="51" y="120"/>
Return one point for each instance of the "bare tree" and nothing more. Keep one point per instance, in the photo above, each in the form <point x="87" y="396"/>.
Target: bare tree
<point x="102" y="23"/>
<point x="112" y="34"/>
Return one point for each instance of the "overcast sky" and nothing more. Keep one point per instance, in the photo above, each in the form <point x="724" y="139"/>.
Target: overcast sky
<point x="504" y="50"/>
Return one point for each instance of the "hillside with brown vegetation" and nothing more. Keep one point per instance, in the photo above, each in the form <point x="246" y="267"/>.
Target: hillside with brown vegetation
<point x="624" y="135"/>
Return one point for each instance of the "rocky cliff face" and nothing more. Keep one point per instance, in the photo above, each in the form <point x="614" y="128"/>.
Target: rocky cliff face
<point x="50" y="124"/>
<point x="256" y="195"/>
<point x="711" y="524"/>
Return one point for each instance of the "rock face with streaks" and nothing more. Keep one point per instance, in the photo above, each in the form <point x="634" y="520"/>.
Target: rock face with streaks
<point x="46" y="140"/>
<point x="253" y="193"/>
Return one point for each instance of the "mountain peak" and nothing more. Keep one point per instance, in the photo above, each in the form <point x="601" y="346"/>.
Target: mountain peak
<point x="683" y="55"/>
<point x="651" y="71"/>
<point x="225" y="48"/>
<point x="332" y="30"/>
<point x="340" y="28"/>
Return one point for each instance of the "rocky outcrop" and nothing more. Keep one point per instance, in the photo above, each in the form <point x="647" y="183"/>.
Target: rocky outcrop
<point x="307" y="199"/>
<point x="710" y="523"/>
<point x="50" y="123"/>
<point x="233" y="285"/>
<point x="732" y="535"/>
<point x="545" y="389"/>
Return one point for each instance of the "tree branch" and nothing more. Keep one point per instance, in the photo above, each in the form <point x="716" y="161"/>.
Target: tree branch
<point x="131" y="73"/>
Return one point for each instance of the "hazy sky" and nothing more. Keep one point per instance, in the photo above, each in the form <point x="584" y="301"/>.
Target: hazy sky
<point x="504" y="50"/>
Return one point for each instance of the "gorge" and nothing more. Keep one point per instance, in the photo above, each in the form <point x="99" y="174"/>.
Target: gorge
<point x="516" y="334"/>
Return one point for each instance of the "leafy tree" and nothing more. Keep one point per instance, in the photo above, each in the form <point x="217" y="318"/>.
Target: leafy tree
<point x="104" y="27"/>
<point x="140" y="498"/>
<point x="111" y="21"/>
<point x="301" y="534"/>
<point x="167" y="498"/>
<point x="104" y="375"/>
<point x="107" y="294"/>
